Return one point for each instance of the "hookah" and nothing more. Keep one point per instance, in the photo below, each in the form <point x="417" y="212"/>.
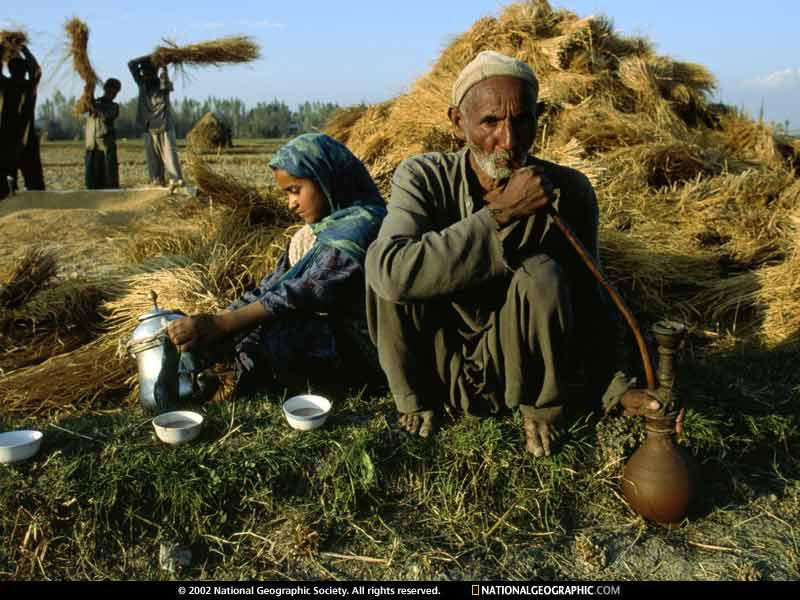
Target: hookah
<point x="656" y="480"/>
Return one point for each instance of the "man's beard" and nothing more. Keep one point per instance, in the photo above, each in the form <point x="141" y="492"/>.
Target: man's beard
<point x="500" y="164"/>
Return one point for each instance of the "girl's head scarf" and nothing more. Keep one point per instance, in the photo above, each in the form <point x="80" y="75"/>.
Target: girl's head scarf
<point x="355" y="205"/>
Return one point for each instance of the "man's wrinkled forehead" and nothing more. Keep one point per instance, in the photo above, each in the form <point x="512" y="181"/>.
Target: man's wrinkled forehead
<point x="496" y="94"/>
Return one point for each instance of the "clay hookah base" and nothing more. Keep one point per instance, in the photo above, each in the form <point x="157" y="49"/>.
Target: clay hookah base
<point x="657" y="480"/>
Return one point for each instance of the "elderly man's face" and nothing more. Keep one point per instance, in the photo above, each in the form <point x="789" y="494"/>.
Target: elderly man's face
<point x="497" y="119"/>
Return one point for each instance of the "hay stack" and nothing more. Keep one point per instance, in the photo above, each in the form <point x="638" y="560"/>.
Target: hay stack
<point x="209" y="134"/>
<point x="232" y="49"/>
<point x="11" y="42"/>
<point x="694" y="197"/>
<point x="613" y="90"/>
<point x="78" y="36"/>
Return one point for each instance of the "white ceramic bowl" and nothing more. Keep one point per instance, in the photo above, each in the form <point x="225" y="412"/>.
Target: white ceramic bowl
<point x="19" y="445"/>
<point x="178" y="426"/>
<point x="306" y="411"/>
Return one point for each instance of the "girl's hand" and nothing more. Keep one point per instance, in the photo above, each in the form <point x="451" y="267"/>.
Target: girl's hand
<point x="197" y="331"/>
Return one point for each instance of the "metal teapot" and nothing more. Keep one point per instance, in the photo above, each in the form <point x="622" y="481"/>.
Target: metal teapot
<point x="163" y="382"/>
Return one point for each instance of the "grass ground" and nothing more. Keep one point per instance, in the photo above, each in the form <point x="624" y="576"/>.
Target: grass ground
<point x="358" y="499"/>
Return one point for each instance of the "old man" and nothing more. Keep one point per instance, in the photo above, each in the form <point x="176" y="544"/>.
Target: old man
<point x="475" y="303"/>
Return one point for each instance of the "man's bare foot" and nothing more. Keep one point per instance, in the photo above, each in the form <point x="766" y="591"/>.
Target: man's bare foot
<point x="420" y="423"/>
<point x="538" y="436"/>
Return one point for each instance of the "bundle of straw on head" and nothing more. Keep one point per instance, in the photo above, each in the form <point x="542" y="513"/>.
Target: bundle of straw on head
<point x="11" y="42"/>
<point x="78" y="35"/>
<point x="232" y="49"/>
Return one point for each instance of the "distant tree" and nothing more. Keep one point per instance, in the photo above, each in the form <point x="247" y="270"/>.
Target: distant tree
<point x="265" y="120"/>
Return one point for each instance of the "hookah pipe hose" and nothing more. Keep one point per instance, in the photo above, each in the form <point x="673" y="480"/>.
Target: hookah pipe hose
<point x="618" y="301"/>
<point x="664" y="499"/>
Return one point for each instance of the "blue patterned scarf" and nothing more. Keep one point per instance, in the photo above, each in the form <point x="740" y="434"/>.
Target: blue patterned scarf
<point x="356" y="206"/>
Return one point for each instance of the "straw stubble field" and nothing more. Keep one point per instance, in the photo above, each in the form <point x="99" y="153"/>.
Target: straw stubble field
<point x="699" y="209"/>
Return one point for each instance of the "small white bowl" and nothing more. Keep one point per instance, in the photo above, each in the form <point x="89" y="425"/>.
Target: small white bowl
<point x="306" y="411"/>
<point x="19" y="445"/>
<point x="178" y="426"/>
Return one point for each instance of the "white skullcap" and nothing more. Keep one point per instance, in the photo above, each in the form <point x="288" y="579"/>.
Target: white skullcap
<point x="491" y="64"/>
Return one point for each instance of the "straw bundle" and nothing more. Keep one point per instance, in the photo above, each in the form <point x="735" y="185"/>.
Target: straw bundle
<point x="528" y="31"/>
<point x="657" y="283"/>
<point x="232" y="49"/>
<point x="69" y="382"/>
<point x="748" y="140"/>
<point x="763" y="303"/>
<point x="257" y="206"/>
<point x="78" y="35"/>
<point x="599" y="127"/>
<point x="11" y="42"/>
<point x="209" y="133"/>
<point x="52" y="322"/>
<point x="667" y="163"/>
<point x="33" y="271"/>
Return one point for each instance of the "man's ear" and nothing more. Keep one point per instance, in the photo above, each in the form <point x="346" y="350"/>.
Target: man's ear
<point x="457" y="119"/>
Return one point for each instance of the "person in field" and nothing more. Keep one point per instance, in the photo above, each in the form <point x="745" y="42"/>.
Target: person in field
<point x="154" y="116"/>
<point x="19" y="144"/>
<point x="476" y="302"/>
<point x="102" y="168"/>
<point x="306" y="320"/>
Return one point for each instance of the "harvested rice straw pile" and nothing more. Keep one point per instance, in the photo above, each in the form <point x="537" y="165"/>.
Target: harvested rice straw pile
<point x="12" y="42"/>
<point x="695" y="198"/>
<point x="231" y="255"/>
<point x="209" y="134"/>
<point x="35" y="270"/>
<point x="94" y="374"/>
<point x="232" y="49"/>
<point x="341" y="123"/>
<point x="78" y="35"/>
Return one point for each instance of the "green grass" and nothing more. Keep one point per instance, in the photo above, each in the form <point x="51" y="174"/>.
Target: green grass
<point x="253" y="498"/>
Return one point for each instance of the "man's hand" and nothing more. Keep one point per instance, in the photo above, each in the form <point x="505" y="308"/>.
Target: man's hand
<point x="538" y="436"/>
<point x="195" y="332"/>
<point x="640" y="403"/>
<point x="420" y="423"/>
<point x="527" y="191"/>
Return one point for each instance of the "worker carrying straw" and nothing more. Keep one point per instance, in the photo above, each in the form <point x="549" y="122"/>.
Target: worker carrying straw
<point x="154" y="115"/>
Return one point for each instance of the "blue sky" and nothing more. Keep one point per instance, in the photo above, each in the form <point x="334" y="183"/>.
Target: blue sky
<point x="354" y="51"/>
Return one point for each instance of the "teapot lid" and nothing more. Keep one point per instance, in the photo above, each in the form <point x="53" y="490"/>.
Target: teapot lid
<point x="150" y="324"/>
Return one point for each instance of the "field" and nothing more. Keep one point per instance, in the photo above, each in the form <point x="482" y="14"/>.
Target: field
<point x="63" y="161"/>
<point x="357" y="499"/>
